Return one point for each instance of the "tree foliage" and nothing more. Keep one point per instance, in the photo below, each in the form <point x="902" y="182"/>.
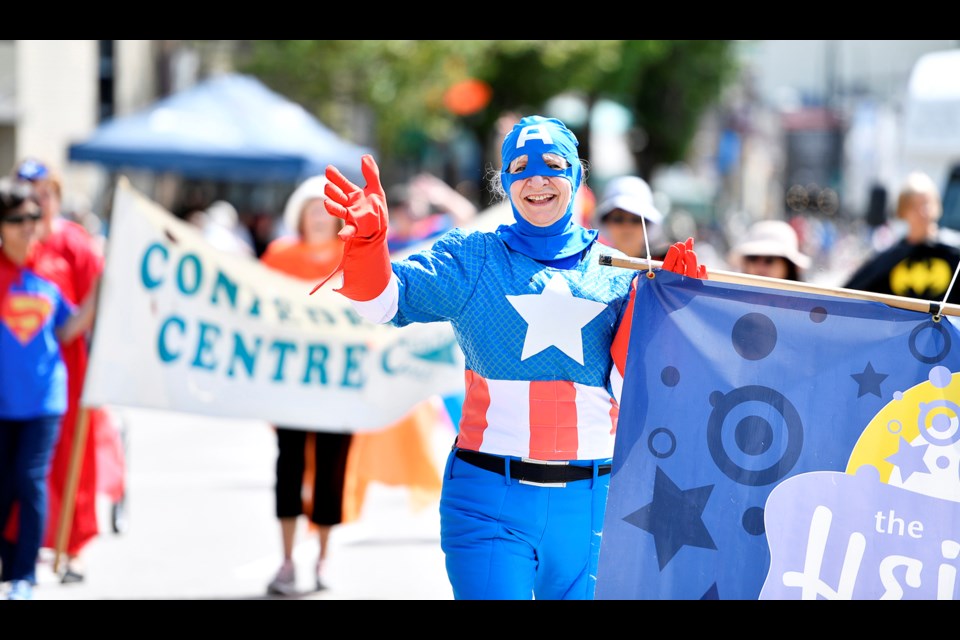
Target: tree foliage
<point x="394" y="89"/>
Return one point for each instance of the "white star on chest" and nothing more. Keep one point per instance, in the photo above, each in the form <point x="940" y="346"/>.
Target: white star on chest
<point x="555" y="318"/>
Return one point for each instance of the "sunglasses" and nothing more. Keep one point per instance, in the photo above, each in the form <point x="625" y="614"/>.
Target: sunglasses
<point x="622" y="219"/>
<point x="768" y="260"/>
<point x="20" y="219"/>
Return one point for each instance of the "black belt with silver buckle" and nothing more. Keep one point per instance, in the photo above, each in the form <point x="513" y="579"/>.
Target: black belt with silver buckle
<point x="546" y="472"/>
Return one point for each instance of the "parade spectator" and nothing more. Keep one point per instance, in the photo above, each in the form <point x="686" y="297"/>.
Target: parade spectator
<point x="35" y="319"/>
<point x="426" y="207"/>
<point x="71" y="257"/>
<point x="315" y="489"/>
<point x="629" y="219"/>
<point x="536" y="315"/>
<point x="771" y="249"/>
<point x="922" y="263"/>
<point x="220" y="224"/>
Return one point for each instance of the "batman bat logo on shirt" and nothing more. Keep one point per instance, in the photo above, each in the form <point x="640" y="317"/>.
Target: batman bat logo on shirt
<point x="914" y="279"/>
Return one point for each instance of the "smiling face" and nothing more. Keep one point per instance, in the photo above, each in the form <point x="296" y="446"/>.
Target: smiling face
<point x="541" y="200"/>
<point x="540" y="155"/>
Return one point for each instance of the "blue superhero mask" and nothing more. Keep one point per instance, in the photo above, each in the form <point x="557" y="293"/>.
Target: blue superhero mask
<point x="534" y="136"/>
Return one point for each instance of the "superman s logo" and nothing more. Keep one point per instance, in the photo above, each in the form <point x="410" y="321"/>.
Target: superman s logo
<point x="24" y="314"/>
<point x="914" y="279"/>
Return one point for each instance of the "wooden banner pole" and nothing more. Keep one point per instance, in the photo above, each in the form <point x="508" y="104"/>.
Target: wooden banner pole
<point x="72" y="481"/>
<point x="911" y="304"/>
<point x="78" y="449"/>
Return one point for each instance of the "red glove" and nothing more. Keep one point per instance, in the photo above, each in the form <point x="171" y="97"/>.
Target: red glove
<point x="681" y="259"/>
<point x="366" y="258"/>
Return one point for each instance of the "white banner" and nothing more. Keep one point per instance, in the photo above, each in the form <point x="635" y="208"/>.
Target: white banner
<point x="182" y="326"/>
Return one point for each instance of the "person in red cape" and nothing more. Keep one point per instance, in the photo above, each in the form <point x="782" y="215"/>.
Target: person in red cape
<point x="69" y="256"/>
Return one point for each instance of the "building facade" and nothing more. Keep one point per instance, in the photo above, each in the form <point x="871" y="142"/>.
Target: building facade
<point x="56" y="92"/>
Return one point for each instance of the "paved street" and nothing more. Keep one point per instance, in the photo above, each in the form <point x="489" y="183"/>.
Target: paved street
<point x="201" y="525"/>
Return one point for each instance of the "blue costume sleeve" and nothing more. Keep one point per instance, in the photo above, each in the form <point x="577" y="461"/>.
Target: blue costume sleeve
<point x="436" y="284"/>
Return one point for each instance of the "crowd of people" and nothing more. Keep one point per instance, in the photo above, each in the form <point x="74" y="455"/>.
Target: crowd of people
<point x="524" y="487"/>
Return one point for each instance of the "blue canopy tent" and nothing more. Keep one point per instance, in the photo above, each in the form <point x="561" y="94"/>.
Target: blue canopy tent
<point x="230" y="127"/>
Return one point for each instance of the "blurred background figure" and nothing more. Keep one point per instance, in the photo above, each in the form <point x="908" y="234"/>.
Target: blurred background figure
<point x="584" y="206"/>
<point x="79" y="208"/>
<point x="423" y="209"/>
<point x="221" y="226"/>
<point x="35" y="318"/>
<point x="311" y="465"/>
<point x="771" y="249"/>
<point x="625" y="209"/>
<point x="922" y="263"/>
<point x="73" y="259"/>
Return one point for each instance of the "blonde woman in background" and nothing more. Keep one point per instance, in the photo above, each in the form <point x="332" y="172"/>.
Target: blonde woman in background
<point x="313" y="252"/>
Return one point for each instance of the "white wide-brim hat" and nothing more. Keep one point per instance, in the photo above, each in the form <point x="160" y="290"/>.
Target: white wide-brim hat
<point x="310" y="188"/>
<point x="771" y="238"/>
<point x="633" y="195"/>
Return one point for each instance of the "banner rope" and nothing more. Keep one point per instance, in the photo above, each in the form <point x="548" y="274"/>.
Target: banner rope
<point x="646" y="241"/>
<point x="937" y="315"/>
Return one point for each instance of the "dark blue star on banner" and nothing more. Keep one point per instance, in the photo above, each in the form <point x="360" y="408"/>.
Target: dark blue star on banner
<point x="869" y="381"/>
<point x="674" y="517"/>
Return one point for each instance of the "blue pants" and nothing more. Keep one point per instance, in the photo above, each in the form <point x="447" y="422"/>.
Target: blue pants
<point x="26" y="449"/>
<point x="504" y="540"/>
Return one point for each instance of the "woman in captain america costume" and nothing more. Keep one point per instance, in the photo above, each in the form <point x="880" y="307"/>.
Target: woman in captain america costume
<point x="542" y="325"/>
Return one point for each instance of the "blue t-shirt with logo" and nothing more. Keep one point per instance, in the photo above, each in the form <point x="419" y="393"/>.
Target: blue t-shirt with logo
<point x="33" y="375"/>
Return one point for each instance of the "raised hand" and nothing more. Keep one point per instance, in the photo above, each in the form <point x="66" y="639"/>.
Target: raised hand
<point x="682" y="259"/>
<point x="363" y="210"/>
<point x="366" y="259"/>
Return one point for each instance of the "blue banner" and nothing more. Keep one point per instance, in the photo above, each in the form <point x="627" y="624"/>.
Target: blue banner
<point x="774" y="444"/>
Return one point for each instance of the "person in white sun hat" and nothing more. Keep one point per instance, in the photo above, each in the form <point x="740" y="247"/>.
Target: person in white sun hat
<point x="771" y="249"/>
<point x="625" y="209"/>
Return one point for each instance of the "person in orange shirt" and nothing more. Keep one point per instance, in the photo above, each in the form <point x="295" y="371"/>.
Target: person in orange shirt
<point x="313" y="252"/>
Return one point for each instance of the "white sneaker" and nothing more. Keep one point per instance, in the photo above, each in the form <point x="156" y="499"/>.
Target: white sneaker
<point x="20" y="590"/>
<point x="285" y="582"/>
<point x="321" y="585"/>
